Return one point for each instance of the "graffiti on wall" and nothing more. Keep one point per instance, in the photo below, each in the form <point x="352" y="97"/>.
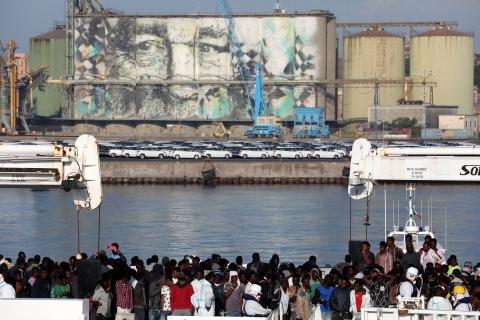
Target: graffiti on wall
<point x="129" y="49"/>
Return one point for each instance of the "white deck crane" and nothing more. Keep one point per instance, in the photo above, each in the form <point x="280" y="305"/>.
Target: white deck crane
<point x="75" y="168"/>
<point x="423" y="164"/>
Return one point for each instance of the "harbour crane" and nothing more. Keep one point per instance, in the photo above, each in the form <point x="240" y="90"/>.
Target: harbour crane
<point x="17" y="89"/>
<point x="264" y="123"/>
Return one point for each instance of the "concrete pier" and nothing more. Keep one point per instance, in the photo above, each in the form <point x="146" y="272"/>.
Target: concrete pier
<point x="227" y="171"/>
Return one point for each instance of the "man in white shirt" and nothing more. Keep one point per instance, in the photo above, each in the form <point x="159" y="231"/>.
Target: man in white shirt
<point x="6" y="290"/>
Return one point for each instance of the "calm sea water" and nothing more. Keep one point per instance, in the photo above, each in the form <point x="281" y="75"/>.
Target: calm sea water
<point x="293" y="221"/>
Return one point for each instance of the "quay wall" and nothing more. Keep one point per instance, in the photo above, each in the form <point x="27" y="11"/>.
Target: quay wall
<point x="227" y="172"/>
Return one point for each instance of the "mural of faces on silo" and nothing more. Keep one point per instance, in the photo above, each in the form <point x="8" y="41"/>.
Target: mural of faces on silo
<point x="305" y="96"/>
<point x="182" y="102"/>
<point x="181" y="35"/>
<point x="281" y="100"/>
<point x="251" y="45"/>
<point x="213" y="50"/>
<point x="310" y="48"/>
<point x="152" y="49"/>
<point x="278" y="47"/>
<point x="214" y="102"/>
<point x="120" y="48"/>
<point x="120" y="102"/>
<point x="90" y="102"/>
<point x="151" y="102"/>
<point x="182" y="48"/>
<point x="89" y="52"/>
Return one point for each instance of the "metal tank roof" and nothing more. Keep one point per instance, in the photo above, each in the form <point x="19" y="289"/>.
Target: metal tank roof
<point x="373" y="33"/>
<point x="444" y="33"/>
<point x="54" y="34"/>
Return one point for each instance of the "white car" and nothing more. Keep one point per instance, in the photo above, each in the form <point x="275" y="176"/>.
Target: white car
<point x="217" y="153"/>
<point x="153" y="153"/>
<point x="326" y="154"/>
<point x="115" y="152"/>
<point x="186" y="154"/>
<point x="254" y="153"/>
<point x="130" y="152"/>
<point x="288" y="153"/>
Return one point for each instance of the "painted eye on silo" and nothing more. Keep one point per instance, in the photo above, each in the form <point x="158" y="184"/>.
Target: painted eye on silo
<point x="145" y="45"/>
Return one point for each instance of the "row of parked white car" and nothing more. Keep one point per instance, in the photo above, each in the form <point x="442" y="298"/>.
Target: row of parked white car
<point x="213" y="152"/>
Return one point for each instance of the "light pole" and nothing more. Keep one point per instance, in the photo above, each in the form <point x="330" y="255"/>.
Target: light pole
<point x="376" y="99"/>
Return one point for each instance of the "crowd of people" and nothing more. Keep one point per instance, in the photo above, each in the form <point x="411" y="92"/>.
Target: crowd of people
<point x="154" y="289"/>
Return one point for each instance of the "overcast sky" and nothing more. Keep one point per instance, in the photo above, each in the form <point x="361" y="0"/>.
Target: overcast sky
<point x="22" y="19"/>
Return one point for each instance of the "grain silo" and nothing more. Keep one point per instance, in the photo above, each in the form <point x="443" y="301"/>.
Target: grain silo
<point x="446" y="57"/>
<point x="371" y="54"/>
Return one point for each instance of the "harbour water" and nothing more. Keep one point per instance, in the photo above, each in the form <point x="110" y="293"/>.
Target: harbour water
<point x="293" y="221"/>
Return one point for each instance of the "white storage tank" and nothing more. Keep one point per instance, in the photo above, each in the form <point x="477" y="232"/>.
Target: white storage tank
<point x="371" y="54"/>
<point x="446" y="57"/>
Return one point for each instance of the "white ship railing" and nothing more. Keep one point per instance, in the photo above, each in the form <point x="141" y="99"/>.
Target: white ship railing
<point x="416" y="314"/>
<point x="44" y="309"/>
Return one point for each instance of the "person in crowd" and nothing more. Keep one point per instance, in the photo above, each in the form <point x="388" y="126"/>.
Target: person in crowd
<point x="323" y="294"/>
<point x="203" y="299"/>
<point x="359" y="298"/>
<point x="180" y="297"/>
<point x="102" y="298"/>
<point x="251" y="306"/>
<point x="438" y="257"/>
<point x="116" y="253"/>
<point x="346" y="263"/>
<point x="165" y="299"/>
<point x="233" y="292"/>
<point x="408" y="288"/>
<point x="438" y="302"/>
<point x="383" y="258"/>
<point x="41" y="287"/>
<point x="139" y="296"/>
<point x="303" y="301"/>
<point x="124" y="293"/>
<point x="379" y="289"/>
<point x="460" y="300"/>
<point x="6" y="290"/>
<point x="340" y="300"/>
<point x="256" y="265"/>
<point x="218" y="292"/>
<point x="367" y="257"/>
<point x="411" y="258"/>
<point x="315" y="281"/>
<point x="452" y="264"/>
<point x="393" y="250"/>
<point x="61" y="288"/>
<point x="280" y="296"/>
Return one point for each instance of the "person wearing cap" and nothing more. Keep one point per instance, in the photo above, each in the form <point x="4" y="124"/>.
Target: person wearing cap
<point x="233" y="292"/>
<point x="6" y="290"/>
<point x="251" y="306"/>
<point x="116" y="253"/>
<point x="315" y="281"/>
<point x="408" y="288"/>
<point x="218" y="291"/>
<point x="181" y="295"/>
<point x="460" y="300"/>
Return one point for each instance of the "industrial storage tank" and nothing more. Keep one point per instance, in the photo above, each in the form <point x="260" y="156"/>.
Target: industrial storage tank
<point x="371" y="54"/>
<point x="446" y="57"/>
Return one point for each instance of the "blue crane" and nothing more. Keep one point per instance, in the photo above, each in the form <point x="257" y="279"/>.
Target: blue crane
<point x="261" y="127"/>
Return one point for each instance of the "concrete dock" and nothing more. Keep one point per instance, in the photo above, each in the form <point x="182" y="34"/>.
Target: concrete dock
<point x="231" y="171"/>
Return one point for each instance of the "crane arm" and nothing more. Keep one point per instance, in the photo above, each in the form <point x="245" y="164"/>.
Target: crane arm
<point x="423" y="164"/>
<point x="75" y="168"/>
